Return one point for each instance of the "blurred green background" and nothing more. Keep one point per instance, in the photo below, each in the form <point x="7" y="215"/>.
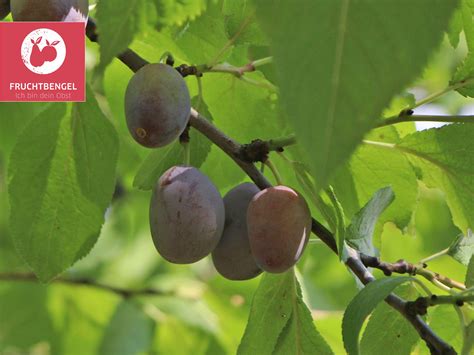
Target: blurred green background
<point x="199" y="312"/>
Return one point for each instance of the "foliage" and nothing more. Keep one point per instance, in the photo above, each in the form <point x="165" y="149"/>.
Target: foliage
<point x="339" y="78"/>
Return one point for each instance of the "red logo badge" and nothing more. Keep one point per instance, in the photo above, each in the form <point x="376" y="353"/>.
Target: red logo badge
<point x="42" y="61"/>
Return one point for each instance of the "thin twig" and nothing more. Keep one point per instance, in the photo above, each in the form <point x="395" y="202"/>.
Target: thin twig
<point x="444" y="280"/>
<point x="435" y="256"/>
<point x="238" y="72"/>
<point x="425" y="118"/>
<point x="430" y="98"/>
<point x="126" y="293"/>
<point x="404" y="267"/>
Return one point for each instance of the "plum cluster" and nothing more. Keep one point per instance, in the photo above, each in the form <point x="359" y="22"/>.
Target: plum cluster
<point x="247" y="232"/>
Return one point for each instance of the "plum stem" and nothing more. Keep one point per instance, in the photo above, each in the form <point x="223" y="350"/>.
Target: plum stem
<point x="274" y="171"/>
<point x="200" y="95"/>
<point x="187" y="153"/>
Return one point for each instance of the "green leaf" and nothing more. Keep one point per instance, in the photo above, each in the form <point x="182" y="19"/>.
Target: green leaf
<point x="14" y="116"/>
<point x="118" y="22"/>
<point x="300" y="335"/>
<point x="160" y="160"/>
<point x="462" y="248"/>
<point x="361" y="230"/>
<point x="463" y="19"/>
<point x="467" y="11"/>
<point x="156" y="163"/>
<point x="129" y="332"/>
<point x="62" y="177"/>
<point x="279" y="322"/>
<point x="95" y="145"/>
<point x="203" y="39"/>
<point x="243" y="111"/>
<point x="387" y="331"/>
<point x="362" y="305"/>
<point x="455" y="26"/>
<point x="172" y="12"/>
<point x="446" y="158"/>
<point x="240" y="22"/>
<point x="331" y="213"/>
<point x="270" y="312"/>
<point x="372" y="168"/>
<point x="335" y="82"/>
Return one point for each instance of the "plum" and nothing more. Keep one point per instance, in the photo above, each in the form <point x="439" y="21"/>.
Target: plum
<point x="4" y="8"/>
<point x="157" y="105"/>
<point x="232" y="257"/>
<point x="186" y="215"/>
<point x="50" y="10"/>
<point x="279" y="224"/>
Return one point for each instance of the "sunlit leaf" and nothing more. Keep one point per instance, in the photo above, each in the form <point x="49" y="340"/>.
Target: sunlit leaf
<point x="334" y="82"/>
<point x="118" y="22"/>
<point x="446" y="158"/>
<point x="462" y="248"/>
<point x="360" y="232"/>
<point x="62" y="176"/>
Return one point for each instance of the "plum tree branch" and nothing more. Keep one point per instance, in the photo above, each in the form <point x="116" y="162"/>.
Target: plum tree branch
<point x="232" y="148"/>
<point x="228" y="68"/>
<point x="454" y="86"/>
<point x="258" y="150"/>
<point x="404" y="267"/>
<point x="421" y="304"/>
<point x="126" y="293"/>
<point x="238" y="72"/>
<point x="432" y="340"/>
